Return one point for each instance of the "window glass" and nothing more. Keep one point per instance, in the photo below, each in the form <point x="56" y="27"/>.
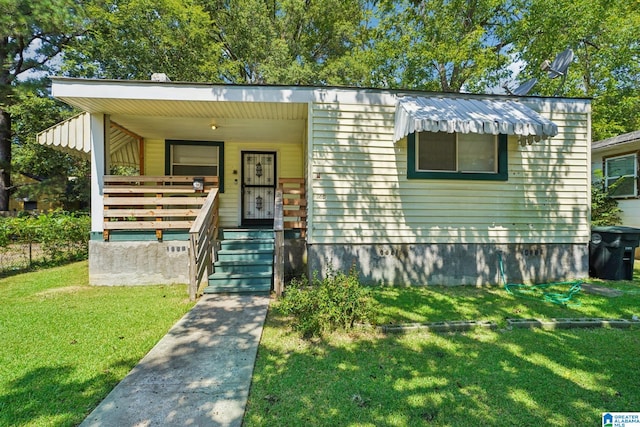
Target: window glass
<point x="195" y="170"/>
<point x="436" y="151"/>
<point x="195" y="155"/>
<point x="621" y="176"/>
<point x="477" y="153"/>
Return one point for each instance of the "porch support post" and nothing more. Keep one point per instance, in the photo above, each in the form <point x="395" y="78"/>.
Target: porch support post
<point x="278" y="228"/>
<point x="193" y="266"/>
<point x="96" y="135"/>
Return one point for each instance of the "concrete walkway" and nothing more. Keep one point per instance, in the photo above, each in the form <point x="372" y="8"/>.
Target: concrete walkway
<point x="198" y="374"/>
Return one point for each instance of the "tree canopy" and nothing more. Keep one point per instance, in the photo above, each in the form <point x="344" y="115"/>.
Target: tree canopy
<point x="32" y="34"/>
<point x="439" y="45"/>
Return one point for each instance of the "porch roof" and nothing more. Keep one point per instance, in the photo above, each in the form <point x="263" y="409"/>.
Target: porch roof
<point x="264" y="113"/>
<point x="177" y="110"/>
<point x="466" y="115"/>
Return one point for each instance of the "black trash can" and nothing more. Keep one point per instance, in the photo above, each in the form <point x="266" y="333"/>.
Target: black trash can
<point x="611" y="252"/>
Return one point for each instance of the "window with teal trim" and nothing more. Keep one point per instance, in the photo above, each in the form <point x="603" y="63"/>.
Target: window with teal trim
<point x="195" y="158"/>
<point x="440" y="155"/>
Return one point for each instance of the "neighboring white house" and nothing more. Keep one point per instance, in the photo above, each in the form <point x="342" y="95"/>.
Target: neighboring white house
<point x="617" y="159"/>
<point x="410" y="187"/>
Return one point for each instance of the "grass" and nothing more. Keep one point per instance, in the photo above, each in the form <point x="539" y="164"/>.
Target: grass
<point x="438" y="303"/>
<point x="499" y="378"/>
<point x="65" y="345"/>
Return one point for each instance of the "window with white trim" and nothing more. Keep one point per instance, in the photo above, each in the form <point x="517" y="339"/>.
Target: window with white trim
<point x="621" y="175"/>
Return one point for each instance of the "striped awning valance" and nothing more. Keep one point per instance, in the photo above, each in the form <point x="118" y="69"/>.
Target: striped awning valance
<point x="465" y="115"/>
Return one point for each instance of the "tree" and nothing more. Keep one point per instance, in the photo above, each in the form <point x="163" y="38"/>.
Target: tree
<point x="131" y="39"/>
<point x="61" y="177"/>
<point x="289" y="41"/>
<point x="32" y="34"/>
<point x="445" y="45"/>
<point x="603" y="36"/>
<point x="240" y="41"/>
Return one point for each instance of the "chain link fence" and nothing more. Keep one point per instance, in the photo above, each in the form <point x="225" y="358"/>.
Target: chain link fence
<point x="20" y="256"/>
<point x="50" y="239"/>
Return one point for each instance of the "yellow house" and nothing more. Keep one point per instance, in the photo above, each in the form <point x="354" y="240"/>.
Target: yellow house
<point x="40" y="204"/>
<point x="410" y="187"/>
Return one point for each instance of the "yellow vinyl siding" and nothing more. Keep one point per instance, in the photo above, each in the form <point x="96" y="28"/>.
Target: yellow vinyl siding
<point x="289" y="163"/>
<point x="154" y="157"/>
<point x="361" y="193"/>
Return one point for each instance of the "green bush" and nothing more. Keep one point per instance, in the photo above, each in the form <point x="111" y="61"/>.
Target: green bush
<point x="336" y="302"/>
<point x="63" y="236"/>
<point x="604" y="208"/>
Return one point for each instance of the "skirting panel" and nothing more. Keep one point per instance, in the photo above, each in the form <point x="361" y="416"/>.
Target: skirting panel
<point x="453" y="264"/>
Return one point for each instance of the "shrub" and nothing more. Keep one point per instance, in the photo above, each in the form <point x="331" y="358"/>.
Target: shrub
<point x="335" y="302"/>
<point x="604" y="208"/>
<point x="63" y="236"/>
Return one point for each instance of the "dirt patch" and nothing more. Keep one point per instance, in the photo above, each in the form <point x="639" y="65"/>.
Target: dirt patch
<point x="600" y="290"/>
<point x="65" y="290"/>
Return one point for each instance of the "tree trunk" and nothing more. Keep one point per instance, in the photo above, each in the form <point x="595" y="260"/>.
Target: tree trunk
<point x="5" y="159"/>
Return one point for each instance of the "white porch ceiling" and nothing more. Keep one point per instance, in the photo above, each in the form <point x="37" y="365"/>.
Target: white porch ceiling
<point x="180" y="119"/>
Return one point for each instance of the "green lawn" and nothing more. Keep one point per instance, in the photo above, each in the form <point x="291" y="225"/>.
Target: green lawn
<point x="65" y="345"/>
<point x="478" y="378"/>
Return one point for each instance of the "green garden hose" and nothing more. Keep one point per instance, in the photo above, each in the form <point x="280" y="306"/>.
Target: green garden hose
<point x="537" y="292"/>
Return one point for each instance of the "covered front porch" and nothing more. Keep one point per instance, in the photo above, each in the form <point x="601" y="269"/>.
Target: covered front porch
<point x="170" y="171"/>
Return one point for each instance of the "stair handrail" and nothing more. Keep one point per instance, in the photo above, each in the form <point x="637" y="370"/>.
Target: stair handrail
<point x="278" y="255"/>
<point x="203" y="237"/>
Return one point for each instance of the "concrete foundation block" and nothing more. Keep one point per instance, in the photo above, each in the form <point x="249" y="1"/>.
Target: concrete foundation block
<point x="138" y="263"/>
<point x="446" y="326"/>
<point x="452" y="263"/>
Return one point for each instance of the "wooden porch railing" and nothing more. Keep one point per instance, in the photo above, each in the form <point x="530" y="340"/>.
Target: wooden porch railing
<point x="203" y="243"/>
<point x="290" y="213"/>
<point x="294" y="204"/>
<point x="160" y="203"/>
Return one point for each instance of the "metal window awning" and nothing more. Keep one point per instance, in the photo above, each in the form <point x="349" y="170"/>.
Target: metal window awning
<point x="73" y="136"/>
<point x="464" y="115"/>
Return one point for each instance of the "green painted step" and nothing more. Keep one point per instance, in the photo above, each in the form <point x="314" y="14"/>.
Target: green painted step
<point x="244" y="234"/>
<point x="240" y="278"/>
<point x="244" y="266"/>
<point x="247" y="244"/>
<point x="237" y="289"/>
<point x="245" y="262"/>
<point x="240" y="255"/>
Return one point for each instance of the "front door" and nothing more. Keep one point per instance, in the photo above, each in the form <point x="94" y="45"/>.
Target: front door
<point x="258" y="187"/>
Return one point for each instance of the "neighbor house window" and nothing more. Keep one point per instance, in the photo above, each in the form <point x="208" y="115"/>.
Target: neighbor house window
<point x="442" y="155"/>
<point x="621" y="175"/>
<point x="195" y="158"/>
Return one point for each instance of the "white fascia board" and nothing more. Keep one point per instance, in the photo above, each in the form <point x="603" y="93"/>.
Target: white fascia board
<point x="147" y="90"/>
<point x="67" y="88"/>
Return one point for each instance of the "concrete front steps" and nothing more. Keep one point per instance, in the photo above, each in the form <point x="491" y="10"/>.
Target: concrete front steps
<point x="245" y="262"/>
